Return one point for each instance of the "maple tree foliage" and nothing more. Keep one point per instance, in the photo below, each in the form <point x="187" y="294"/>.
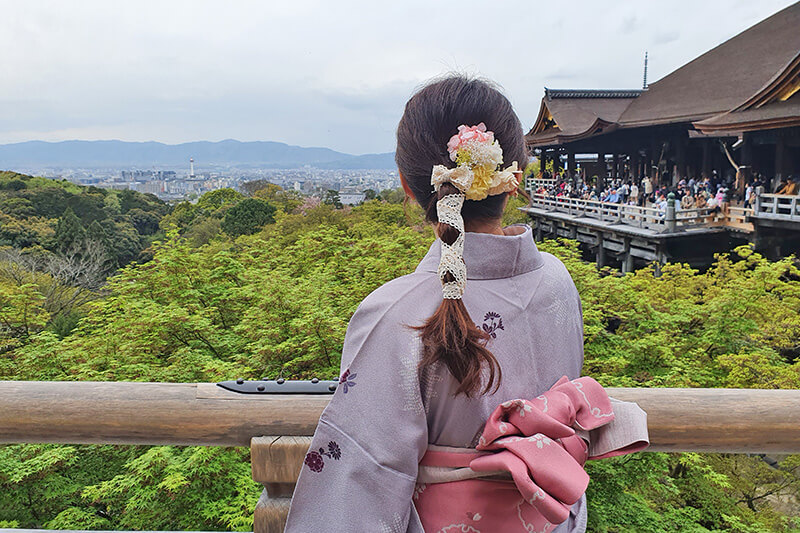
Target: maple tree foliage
<point x="209" y="306"/>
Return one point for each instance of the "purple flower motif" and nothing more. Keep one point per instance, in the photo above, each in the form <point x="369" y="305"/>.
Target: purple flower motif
<point x="495" y="322"/>
<point x="314" y="461"/>
<point x="347" y="380"/>
<point x="334" y="452"/>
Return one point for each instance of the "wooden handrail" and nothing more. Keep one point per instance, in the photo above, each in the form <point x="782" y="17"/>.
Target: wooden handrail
<point x="640" y="216"/>
<point x="705" y="420"/>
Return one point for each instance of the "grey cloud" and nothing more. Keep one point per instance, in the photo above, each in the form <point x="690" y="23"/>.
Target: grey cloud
<point x="315" y="73"/>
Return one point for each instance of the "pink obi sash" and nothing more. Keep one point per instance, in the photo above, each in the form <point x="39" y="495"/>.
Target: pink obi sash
<point x="527" y="470"/>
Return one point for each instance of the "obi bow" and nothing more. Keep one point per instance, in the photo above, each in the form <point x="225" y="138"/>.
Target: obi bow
<point x="535" y="442"/>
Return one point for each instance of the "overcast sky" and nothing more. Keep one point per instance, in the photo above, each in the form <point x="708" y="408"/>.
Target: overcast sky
<point x="320" y="73"/>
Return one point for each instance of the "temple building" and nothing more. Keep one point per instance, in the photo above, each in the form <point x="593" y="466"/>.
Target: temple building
<point x="733" y="111"/>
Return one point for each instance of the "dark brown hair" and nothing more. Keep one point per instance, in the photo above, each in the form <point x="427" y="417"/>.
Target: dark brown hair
<point x="431" y="117"/>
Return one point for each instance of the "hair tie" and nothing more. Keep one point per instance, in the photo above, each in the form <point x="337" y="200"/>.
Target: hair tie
<point x="477" y="175"/>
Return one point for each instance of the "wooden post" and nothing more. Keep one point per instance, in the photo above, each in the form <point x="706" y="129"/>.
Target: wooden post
<point x="757" y="205"/>
<point x="601" y="252"/>
<point x="601" y="161"/>
<point x="780" y="158"/>
<point x="276" y="463"/>
<point x="571" y="163"/>
<point x="627" y="262"/>
<point x="680" y="155"/>
<point x="706" y="164"/>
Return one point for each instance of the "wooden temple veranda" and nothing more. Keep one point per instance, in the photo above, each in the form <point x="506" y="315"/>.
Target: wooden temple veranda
<point x="733" y="113"/>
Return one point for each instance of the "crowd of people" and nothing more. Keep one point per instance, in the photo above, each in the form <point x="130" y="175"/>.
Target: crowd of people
<point x="713" y="192"/>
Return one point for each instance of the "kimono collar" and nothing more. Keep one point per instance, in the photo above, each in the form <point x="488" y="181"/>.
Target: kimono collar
<point x="489" y="256"/>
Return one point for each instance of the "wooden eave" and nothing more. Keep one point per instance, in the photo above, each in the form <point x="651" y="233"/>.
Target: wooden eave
<point x="752" y="125"/>
<point x="540" y="125"/>
<point x="785" y="83"/>
<point x="598" y="127"/>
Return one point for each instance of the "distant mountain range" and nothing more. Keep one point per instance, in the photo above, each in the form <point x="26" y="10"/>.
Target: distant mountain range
<point x="94" y="154"/>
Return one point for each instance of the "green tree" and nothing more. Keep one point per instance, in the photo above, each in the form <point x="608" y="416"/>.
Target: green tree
<point x="247" y="217"/>
<point x="214" y="200"/>
<point x="69" y="231"/>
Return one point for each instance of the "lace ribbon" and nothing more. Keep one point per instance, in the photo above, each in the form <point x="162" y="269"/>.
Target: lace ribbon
<point x="448" y="210"/>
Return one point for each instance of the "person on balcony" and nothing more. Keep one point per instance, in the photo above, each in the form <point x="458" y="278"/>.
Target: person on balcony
<point x="445" y="364"/>
<point x="790" y="187"/>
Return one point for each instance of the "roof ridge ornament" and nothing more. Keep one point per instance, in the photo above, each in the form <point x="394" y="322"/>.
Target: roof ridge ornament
<point x="592" y="93"/>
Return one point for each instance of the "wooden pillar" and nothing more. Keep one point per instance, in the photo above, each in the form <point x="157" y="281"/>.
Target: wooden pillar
<point x="543" y="161"/>
<point x="747" y="151"/>
<point x="654" y="167"/>
<point x="615" y="165"/>
<point x="627" y="261"/>
<point x="601" y="252"/>
<point x="571" y="163"/>
<point x="601" y="175"/>
<point x="746" y="161"/>
<point x="780" y="158"/>
<point x="705" y="168"/>
<point x="680" y="155"/>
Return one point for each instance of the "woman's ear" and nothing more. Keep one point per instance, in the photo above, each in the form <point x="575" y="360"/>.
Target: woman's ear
<point x="406" y="188"/>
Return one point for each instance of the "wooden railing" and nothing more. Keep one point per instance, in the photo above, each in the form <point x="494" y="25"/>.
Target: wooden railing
<point x="645" y="217"/>
<point x="277" y="427"/>
<point x="777" y="206"/>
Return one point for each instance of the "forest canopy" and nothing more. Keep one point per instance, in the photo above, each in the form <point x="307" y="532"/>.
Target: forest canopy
<point x="220" y="291"/>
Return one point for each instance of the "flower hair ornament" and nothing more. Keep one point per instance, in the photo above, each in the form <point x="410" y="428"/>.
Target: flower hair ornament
<point x="478" y="174"/>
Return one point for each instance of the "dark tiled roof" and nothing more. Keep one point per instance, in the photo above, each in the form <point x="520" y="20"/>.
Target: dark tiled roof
<point x="722" y="78"/>
<point x="579" y="116"/>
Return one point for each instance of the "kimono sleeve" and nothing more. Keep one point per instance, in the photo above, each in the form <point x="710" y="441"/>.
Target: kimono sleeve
<point x="361" y="469"/>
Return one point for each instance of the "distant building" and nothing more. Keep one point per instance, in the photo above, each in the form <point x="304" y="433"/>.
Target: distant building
<point x="351" y="198"/>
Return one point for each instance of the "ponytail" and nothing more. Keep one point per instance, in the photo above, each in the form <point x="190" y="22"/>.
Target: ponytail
<point x="450" y="335"/>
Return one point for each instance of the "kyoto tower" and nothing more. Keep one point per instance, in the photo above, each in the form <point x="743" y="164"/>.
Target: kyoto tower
<point x="191" y="168"/>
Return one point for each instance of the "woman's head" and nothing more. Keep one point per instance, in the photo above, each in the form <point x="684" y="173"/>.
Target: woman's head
<point x="433" y="115"/>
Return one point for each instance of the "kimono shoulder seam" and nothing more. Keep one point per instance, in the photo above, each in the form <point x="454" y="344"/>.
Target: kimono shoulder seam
<point x="368" y="455"/>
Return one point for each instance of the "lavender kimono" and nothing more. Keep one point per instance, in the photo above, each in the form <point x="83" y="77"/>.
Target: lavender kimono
<point x="361" y="471"/>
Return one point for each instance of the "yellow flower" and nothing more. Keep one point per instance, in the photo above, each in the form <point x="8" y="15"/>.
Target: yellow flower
<point x="481" y="182"/>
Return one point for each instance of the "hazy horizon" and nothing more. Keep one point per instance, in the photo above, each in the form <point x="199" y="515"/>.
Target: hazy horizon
<point x="316" y="74"/>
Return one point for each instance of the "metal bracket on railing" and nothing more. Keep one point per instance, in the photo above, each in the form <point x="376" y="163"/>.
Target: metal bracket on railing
<point x="280" y="386"/>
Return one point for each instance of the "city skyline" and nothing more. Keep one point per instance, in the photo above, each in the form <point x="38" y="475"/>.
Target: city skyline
<point x="315" y="74"/>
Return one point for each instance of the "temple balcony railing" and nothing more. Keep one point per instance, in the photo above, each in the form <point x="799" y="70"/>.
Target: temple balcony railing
<point x="277" y="427"/>
<point x="783" y="207"/>
<point x="667" y="220"/>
